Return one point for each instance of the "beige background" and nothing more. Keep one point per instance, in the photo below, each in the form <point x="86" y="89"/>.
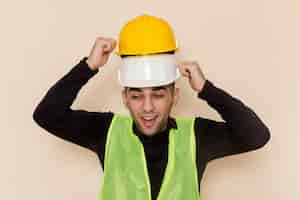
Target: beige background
<point x="248" y="48"/>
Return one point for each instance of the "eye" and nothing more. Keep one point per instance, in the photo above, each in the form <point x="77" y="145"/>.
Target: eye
<point x="135" y="96"/>
<point x="159" y="95"/>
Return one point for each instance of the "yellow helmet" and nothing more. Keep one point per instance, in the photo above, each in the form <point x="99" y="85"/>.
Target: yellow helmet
<point x="144" y="35"/>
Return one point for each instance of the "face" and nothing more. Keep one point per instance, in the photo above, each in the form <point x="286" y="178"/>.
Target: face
<point x="150" y="107"/>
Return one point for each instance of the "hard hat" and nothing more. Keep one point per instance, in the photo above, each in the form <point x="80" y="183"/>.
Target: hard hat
<point x="148" y="71"/>
<point x="144" y="35"/>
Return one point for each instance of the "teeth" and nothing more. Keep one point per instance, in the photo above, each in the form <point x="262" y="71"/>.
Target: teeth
<point x="148" y="118"/>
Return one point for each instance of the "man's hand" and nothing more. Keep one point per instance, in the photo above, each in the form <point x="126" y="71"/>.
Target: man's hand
<point x="193" y="72"/>
<point x="100" y="52"/>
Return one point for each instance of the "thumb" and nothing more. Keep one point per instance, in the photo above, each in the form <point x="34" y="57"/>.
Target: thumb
<point x="184" y="70"/>
<point x="107" y="47"/>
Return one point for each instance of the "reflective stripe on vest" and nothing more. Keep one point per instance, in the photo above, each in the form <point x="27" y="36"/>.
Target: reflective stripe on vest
<point x="125" y="169"/>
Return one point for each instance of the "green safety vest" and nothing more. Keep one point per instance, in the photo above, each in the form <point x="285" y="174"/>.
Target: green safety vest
<point x="125" y="170"/>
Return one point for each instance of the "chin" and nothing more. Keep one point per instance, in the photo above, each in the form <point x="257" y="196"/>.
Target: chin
<point x="149" y="132"/>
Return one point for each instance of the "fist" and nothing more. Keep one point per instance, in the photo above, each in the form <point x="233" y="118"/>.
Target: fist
<point x="100" y="52"/>
<point x="193" y="72"/>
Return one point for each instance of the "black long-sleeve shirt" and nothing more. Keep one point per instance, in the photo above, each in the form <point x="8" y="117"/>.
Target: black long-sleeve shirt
<point x="242" y="130"/>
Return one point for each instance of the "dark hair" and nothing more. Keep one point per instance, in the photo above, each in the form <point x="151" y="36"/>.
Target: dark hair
<point x="167" y="52"/>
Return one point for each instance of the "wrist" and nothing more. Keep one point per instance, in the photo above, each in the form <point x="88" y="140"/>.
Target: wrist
<point x="201" y="86"/>
<point x="90" y="64"/>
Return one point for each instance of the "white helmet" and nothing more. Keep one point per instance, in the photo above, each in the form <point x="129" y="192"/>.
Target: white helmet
<point x="148" y="70"/>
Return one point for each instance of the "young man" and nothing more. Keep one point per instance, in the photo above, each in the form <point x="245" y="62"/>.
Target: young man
<point x="150" y="155"/>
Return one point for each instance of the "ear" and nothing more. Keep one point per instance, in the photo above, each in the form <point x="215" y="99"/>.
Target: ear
<point x="124" y="98"/>
<point x="176" y="95"/>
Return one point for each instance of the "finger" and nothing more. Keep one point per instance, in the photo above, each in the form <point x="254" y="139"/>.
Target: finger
<point x="107" y="46"/>
<point x="187" y="73"/>
<point x="181" y="70"/>
<point x="184" y="70"/>
<point x="111" y="45"/>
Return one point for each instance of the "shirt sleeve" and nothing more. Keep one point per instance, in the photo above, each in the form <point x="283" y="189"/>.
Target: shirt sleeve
<point x="242" y="130"/>
<point x="54" y="113"/>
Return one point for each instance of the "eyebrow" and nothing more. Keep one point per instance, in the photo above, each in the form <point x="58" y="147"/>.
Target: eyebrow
<point x="134" y="89"/>
<point x="159" y="88"/>
<point x="153" y="89"/>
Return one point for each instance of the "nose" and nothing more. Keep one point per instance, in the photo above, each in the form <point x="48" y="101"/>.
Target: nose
<point x="148" y="104"/>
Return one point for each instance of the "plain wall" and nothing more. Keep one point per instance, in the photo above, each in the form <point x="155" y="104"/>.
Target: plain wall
<point x="248" y="48"/>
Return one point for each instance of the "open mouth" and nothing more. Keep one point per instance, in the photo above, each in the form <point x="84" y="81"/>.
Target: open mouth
<point x="148" y="121"/>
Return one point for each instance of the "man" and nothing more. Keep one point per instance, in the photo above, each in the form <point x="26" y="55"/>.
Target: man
<point x="150" y="155"/>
